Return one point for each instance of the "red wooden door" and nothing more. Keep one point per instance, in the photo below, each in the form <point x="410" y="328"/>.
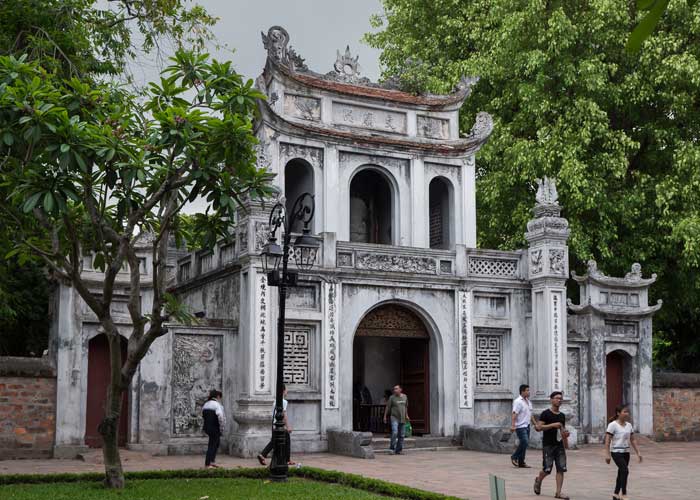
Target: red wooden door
<point x="415" y="383"/>
<point x="98" y="380"/>
<point x="613" y="374"/>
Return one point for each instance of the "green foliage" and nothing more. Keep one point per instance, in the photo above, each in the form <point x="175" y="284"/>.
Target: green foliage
<point x="87" y="37"/>
<point x="618" y="130"/>
<point x="205" y="477"/>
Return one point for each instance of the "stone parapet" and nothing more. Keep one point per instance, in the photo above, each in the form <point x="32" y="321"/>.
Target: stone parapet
<point x="350" y="443"/>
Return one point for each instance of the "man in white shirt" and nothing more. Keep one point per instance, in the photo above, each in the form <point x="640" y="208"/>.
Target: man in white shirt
<point x="214" y="425"/>
<point x="520" y="424"/>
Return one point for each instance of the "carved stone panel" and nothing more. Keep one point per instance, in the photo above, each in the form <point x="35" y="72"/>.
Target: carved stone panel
<point x="396" y="263"/>
<point x="303" y="297"/>
<point x="289" y="151"/>
<point x="197" y="368"/>
<point x="624" y="329"/>
<point x="433" y="128"/>
<point x="344" y="259"/>
<point x="573" y="382"/>
<point x="304" y="107"/>
<point x="489" y="360"/>
<point x="369" y="118"/>
<point x="557" y="261"/>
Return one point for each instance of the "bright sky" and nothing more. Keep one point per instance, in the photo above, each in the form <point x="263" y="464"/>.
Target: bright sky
<point x="317" y="28"/>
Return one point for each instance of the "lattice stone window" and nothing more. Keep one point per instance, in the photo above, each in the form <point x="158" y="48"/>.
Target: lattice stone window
<point x="489" y="360"/>
<point x="297" y="354"/>
<point x="493" y="267"/>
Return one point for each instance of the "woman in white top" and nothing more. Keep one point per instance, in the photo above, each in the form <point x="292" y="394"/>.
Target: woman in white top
<point x="618" y="438"/>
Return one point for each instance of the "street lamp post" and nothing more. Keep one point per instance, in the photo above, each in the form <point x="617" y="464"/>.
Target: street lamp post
<point x="305" y="249"/>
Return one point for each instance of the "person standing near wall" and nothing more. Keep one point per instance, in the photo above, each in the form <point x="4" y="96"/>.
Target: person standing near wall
<point x="553" y="424"/>
<point x="214" y="425"/>
<point x="397" y="408"/>
<point x="618" y="438"/>
<point x="262" y="457"/>
<point x="520" y="421"/>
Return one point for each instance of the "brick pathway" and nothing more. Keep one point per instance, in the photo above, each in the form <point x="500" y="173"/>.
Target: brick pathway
<point x="670" y="471"/>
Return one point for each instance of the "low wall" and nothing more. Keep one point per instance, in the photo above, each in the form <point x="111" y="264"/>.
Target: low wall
<point x="27" y="408"/>
<point x="677" y="406"/>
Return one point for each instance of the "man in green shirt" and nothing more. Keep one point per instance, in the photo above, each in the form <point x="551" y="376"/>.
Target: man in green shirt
<point x="397" y="408"/>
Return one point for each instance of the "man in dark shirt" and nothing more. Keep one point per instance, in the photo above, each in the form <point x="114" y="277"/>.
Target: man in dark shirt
<point x="554" y="434"/>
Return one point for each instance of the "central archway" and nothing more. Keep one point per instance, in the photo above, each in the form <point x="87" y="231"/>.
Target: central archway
<point x="391" y="346"/>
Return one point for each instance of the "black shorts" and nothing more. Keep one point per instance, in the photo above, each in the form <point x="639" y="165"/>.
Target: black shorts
<point x="554" y="455"/>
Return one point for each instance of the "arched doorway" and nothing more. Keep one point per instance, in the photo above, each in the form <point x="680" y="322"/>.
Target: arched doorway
<point x="98" y="380"/>
<point x="370" y="208"/>
<point x="298" y="179"/>
<point x="391" y="346"/>
<point x="614" y="375"/>
<point x="440" y="213"/>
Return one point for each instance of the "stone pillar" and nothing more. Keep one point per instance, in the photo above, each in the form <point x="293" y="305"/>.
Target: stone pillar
<point x="548" y="266"/>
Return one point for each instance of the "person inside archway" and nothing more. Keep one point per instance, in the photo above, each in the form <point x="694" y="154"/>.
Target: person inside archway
<point x="552" y="423"/>
<point x="618" y="438"/>
<point x="397" y="409"/>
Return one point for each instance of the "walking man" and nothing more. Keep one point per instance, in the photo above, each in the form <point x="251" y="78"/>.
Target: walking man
<point x="287" y="431"/>
<point x="554" y="438"/>
<point x="520" y="424"/>
<point x="397" y="408"/>
<point x="214" y="425"/>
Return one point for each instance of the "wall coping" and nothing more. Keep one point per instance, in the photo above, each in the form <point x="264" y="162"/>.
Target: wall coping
<point x="15" y="366"/>
<point x="678" y="380"/>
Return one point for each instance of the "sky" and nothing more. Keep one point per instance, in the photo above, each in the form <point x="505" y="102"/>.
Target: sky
<point x="317" y="28"/>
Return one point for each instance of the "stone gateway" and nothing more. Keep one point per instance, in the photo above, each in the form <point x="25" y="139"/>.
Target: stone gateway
<point x="399" y="292"/>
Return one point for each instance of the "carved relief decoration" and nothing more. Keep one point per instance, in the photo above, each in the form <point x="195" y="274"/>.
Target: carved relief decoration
<point x="433" y="128"/>
<point x="392" y="321"/>
<point x="262" y="233"/>
<point x="307" y="108"/>
<point x="573" y="382"/>
<point x="332" y="314"/>
<point x="483" y="126"/>
<point x="449" y="171"/>
<point x="290" y="151"/>
<point x="557" y="261"/>
<point x="197" y="367"/>
<point x="536" y="261"/>
<point x="466" y="341"/>
<point x="297" y="353"/>
<point x="396" y="263"/>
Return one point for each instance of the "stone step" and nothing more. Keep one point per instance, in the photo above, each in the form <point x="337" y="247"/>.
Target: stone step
<point x="418" y="443"/>
<point x="387" y="451"/>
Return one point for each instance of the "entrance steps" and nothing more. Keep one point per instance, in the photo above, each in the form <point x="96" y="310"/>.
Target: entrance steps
<point x="380" y="444"/>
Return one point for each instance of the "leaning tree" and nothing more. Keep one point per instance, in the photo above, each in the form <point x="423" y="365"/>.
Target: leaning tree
<point x="90" y="167"/>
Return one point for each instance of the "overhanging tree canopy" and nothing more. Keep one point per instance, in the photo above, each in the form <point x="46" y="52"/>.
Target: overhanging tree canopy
<point x="620" y="131"/>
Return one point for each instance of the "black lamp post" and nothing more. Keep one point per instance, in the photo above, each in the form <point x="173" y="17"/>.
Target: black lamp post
<point x="305" y="248"/>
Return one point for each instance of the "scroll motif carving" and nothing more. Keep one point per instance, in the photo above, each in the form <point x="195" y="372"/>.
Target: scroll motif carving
<point x="197" y="367"/>
<point x="396" y="263"/>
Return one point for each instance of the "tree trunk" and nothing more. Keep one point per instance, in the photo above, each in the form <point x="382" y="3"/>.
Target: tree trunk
<point x="109" y="427"/>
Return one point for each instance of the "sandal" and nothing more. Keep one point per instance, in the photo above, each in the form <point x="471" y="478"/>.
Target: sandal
<point x="262" y="460"/>
<point x="538" y="486"/>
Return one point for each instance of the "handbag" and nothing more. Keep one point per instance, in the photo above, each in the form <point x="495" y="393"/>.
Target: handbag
<point x="408" y="429"/>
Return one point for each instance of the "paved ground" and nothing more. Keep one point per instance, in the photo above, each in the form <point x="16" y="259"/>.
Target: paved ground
<point x="670" y="471"/>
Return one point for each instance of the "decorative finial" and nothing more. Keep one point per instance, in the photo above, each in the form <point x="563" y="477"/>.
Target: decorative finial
<point x="275" y="42"/>
<point x="346" y="68"/>
<point x="547" y="191"/>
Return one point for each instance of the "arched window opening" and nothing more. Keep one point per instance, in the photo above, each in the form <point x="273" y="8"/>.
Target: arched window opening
<point x="439" y="215"/>
<point x="298" y="179"/>
<point x="370" y="208"/>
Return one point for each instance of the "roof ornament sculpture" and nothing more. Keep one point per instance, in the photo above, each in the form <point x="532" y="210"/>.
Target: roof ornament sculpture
<point x="547" y="191"/>
<point x="346" y="69"/>
<point x="483" y="126"/>
<point x="276" y="43"/>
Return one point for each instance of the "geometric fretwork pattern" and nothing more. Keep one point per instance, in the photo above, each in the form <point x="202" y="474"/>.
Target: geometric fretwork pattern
<point x="493" y="267"/>
<point x="296" y="355"/>
<point x="489" y="360"/>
